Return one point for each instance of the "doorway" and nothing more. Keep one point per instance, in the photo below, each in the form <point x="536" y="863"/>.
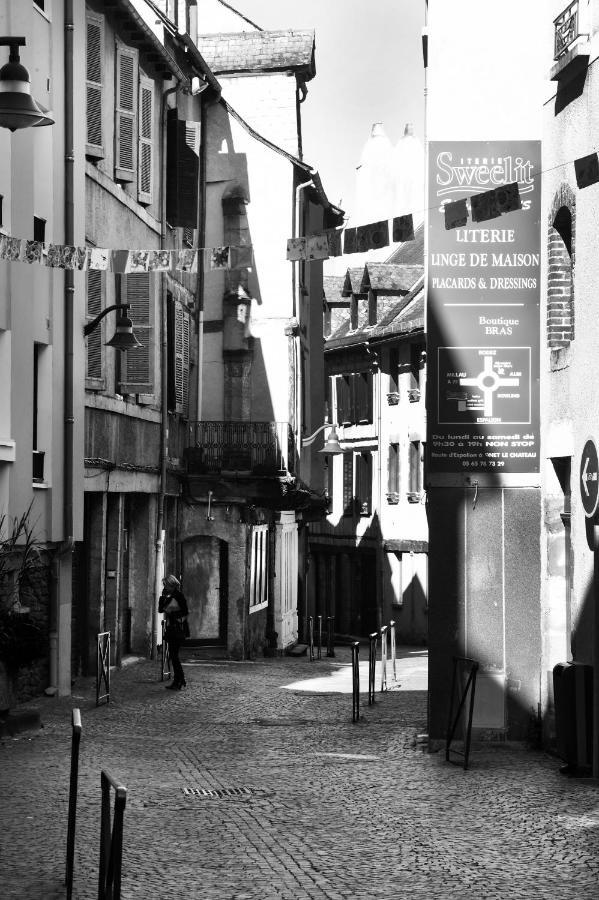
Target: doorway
<point x="204" y="563"/>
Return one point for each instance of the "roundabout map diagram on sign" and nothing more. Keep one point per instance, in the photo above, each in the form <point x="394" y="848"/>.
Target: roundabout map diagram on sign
<point x="487" y="385"/>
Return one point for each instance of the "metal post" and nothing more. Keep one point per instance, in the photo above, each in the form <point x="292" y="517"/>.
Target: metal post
<point x="165" y="656"/>
<point x="311" y="637"/>
<point x="103" y="667"/>
<point x="111" y="839"/>
<point x="320" y="637"/>
<point x="371" y="667"/>
<point x="383" y="658"/>
<point x="355" y="662"/>
<point x="75" y="741"/>
<point x="331" y="636"/>
<point x="392" y="632"/>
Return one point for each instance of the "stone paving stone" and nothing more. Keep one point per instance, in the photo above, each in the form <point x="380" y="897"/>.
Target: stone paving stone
<point x="330" y="809"/>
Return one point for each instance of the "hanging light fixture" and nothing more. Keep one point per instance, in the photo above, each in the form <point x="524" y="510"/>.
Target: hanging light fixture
<point x="123" y="337"/>
<point x="18" y="109"/>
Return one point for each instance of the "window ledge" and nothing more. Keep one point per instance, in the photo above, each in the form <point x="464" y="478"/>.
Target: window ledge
<point x="258" y="607"/>
<point x="393" y="398"/>
<point x="8" y="451"/>
<point x="572" y="62"/>
<point x="393" y="498"/>
<point x="414" y="496"/>
<point x="40" y="485"/>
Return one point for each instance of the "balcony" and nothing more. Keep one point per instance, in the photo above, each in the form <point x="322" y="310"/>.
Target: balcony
<point x="244" y="448"/>
<point x="571" y="44"/>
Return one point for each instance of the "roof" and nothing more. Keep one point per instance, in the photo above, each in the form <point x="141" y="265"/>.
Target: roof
<point x="408" y="316"/>
<point x="125" y="12"/>
<point x="390" y="277"/>
<point x="353" y="281"/>
<point x="410" y="253"/>
<point x="332" y="286"/>
<point x="260" y="51"/>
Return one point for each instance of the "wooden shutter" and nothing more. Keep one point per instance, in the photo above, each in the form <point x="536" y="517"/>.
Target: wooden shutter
<point x="348" y="484"/>
<point x="126" y="105"/>
<point x="415" y="467"/>
<point x="344" y="400"/>
<point x="364" y="483"/>
<point x="182" y="155"/>
<point x="137" y="366"/>
<point x="393" y="469"/>
<point x="94" y="369"/>
<point x="94" y="81"/>
<point x="146" y="140"/>
<point x="181" y="359"/>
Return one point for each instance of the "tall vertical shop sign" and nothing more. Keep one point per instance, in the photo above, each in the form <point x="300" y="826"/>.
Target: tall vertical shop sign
<point x="483" y="297"/>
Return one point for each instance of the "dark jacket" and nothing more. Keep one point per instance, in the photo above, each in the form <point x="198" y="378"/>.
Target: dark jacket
<point x="165" y="599"/>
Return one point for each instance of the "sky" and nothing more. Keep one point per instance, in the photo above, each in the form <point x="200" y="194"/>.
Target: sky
<point x="368" y="69"/>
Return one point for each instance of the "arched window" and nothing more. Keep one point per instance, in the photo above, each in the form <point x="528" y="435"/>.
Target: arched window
<point x="560" y="280"/>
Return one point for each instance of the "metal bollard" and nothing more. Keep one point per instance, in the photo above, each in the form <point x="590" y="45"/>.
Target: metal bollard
<point x="355" y="664"/>
<point x="319" y="637"/>
<point x="103" y="667"/>
<point x="392" y="632"/>
<point x="331" y="636"/>
<point x="75" y="741"/>
<point x="165" y="657"/>
<point x="111" y="838"/>
<point x="311" y="637"/>
<point x="371" y="667"/>
<point x="383" y="658"/>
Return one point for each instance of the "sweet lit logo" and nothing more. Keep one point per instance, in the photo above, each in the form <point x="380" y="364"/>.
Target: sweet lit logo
<point x="481" y="173"/>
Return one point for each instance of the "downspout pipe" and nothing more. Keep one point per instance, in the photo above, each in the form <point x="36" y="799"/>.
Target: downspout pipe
<point x="201" y="231"/>
<point x="296" y="287"/>
<point x="160" y="512"/>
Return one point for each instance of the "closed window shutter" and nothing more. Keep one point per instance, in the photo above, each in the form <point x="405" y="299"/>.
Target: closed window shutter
<point x="344" y="400"/>
<point x="182" y="154"/>
<point x="146" y="136"/>
<point x="393" y="470"/>
<point x="94" y="57"/>
<point x="348" y="484"/>
<point x="138" y="365"/>
<point x="364" y="483"/>
<point x="181" y="359"/>
<point x="94" y="340"/>
<point x="126" y="96"/>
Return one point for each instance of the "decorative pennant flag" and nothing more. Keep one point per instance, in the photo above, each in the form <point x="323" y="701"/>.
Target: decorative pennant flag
<point x="187" y="260"/>
<point x="81" y="258"/>
<point x="317" y="246"/>
<point x="484" y="206"/>
<point x="241" y="257"/>
<point x="159" y="260"/>
<point x="334" y="241"/>
<point x="587" y="170"/>
<point x="350" y="240"/>
<point x="137" y="262"/>
<point x="98" y="258"/>
<point x="58" y="256"/>
<point x="10" y="248"/>
<point x="33" y="251"/>
<point x="403" y="228"/>
<point x="296" y="249"/>
<point x="119" y="260"/>
<point x="372" y="236"/>
<point x="219" y="257"/>
<point x="507" y="197"/>
<point x="456" y="214"/>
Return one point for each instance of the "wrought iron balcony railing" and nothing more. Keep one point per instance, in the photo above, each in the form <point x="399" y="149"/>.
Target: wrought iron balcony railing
<point x="567" y="29"/>
<point x="259" y="448"/>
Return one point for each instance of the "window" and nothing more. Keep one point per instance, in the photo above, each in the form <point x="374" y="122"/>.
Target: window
<point x="94" y="357"/>
<point x="94" y="82"/>
<point x="354" y="399"/>
<point x="178" y="357"/>
<point x="125" y="112"/>
<point x="357" y="484"/>
<point x="137" y="365"/>
<point x="560" y="282"/>
<point x="183" y="159"/>
<point x="348" y="484"/>
<point x="415" y="484"/>
<point x="39" y="229"/>
<point x="259" y="568"/>
<point x="416" y="366"/>
<point x="145" y="140"/>
<point x="353" y="312"/>
<point x="393" y="474"/>
<point x="38" y="455"/>
<point x="393" y="370"/>
<point x="372" y="308"/>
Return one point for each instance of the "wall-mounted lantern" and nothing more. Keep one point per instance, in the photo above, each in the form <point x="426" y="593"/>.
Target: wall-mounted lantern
<point x="18" y="109"/>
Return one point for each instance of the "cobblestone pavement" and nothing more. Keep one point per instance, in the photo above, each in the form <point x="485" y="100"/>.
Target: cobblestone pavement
<point x="326" y="808"/>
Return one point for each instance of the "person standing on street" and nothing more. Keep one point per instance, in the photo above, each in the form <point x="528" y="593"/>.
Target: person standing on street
<point x="174" y="606"/>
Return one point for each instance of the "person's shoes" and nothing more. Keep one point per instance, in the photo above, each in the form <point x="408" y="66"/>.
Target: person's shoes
<point x="182" y="684"/>
<point x="173" y="686"/>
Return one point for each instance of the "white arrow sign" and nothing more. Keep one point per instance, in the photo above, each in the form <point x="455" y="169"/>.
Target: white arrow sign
<point x="587" y="476"/>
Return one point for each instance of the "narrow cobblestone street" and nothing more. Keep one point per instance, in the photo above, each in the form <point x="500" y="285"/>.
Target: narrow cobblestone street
<point x="327" y="808"/>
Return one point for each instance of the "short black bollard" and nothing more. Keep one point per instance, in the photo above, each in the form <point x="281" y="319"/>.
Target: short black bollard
<point x="111" y="839"/>
<point x="392" y="633"/>
<point x="165" y="657"/>
<point x="383" y="658"/>
<point x="103" y="667"/>
<point x="319" y="637"/>
<point x="461" y="666"/>
<point x="355" y="665"/>
<point x="75" y="741"/>
<point x="371" y="667"/>
<point x="331" y="636"/>
<point x="311" y="637"/>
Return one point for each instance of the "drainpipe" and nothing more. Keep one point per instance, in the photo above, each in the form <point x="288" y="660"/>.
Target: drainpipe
<point x="297" y="352"/>
<point x="159" y="557"/>
<point x="67" y="544"/>
<point x="201" y="227"/>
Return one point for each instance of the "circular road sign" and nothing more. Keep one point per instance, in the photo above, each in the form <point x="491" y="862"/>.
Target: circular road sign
<point x="589" y="475"/>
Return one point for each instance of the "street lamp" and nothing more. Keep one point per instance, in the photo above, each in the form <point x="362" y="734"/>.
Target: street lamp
<point x="18" y="109"/>
<point x="123" y="338"/>
<point x="332" y="445"/>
